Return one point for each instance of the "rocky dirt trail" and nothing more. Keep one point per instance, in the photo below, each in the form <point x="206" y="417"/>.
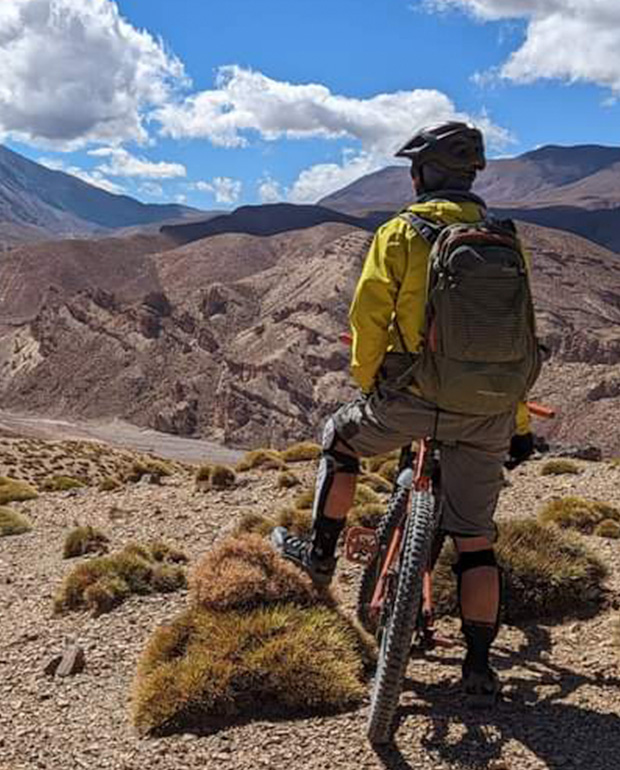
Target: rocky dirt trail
<point x="561" y="706"/>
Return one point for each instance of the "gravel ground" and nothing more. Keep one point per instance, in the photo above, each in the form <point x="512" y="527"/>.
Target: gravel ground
<point x="561" y="683"/>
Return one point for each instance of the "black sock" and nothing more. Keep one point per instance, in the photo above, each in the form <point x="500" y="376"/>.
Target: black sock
<point x="325" y="536"/>
<point x="479" y="638"/>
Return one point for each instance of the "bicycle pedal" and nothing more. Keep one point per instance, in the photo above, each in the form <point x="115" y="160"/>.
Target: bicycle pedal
<point x="361" y="545"/>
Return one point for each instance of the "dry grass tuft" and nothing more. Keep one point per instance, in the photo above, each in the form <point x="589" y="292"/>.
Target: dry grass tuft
<point x="222" y="477"/>
<point x="105" y="582"/>
<point x="12" y="490"/>
<point x="13" y="523"/>
<point x="304" y="451"/>
<point x="283" y="659"/>
<point x="364" y="495"/>
<point x="304" y="500"/>
<point x="151" y="467"/>
<point x="389" y="470"/>
<point x="215" y="477"/>
<point x="61" y="484"/>
<point x="243" y="573"/>
<point x="548" y="574"/>
<point x="373" y="464"/>
<point x="376" y="482"/>
<point x="83" y="540"/>
<point x="266" y="459"/>
<point x="288" y="480"/>
<point x="367" y="515"/>
<point x="577" y="513"/>
<point x="109" y="484"/>
<point x="254" y="523"/>
<point x="608" y="528"/>
<point x="559" y="468"/>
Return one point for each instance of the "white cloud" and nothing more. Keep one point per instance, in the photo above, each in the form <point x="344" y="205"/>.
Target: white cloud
<point x="123" y="163"/>
<point x="573" y="40"/>
<point x="75" y="72"/>
<point x="270" y="191"/>
<point x="320" y="180"/>
<point x="245" y="101"/>
<point x="94" y="177"/>
<point x="224" y="189"/>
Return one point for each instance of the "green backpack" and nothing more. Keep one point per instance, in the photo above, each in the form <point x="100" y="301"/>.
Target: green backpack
<point x="480" y="354"/>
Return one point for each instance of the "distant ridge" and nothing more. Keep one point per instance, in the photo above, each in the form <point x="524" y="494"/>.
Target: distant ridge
<point x="267" y="220"/>
<point x="569" y="188"/>
<point x="36" y="201"/>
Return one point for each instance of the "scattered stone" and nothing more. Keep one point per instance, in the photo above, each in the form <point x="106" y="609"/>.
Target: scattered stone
<point x="52" y="666"/>
<point x="73" y="661"/>
<point x="592" y="453"/>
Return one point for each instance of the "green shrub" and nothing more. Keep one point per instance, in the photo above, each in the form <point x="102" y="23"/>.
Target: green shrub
<point x="83" y="540"/>
<point x="306" y="450"/>
<point x="281" y="658"/>
<point x="287" y="480"/>
<point x="106" y="581"/>
<point x="13" y="523"/>
<point x="559" y="467"/>
<point x="266" y="459"/>
<point x="547" y="574"/>
<point x="12" y="490"/>
<point x="61" y="484"/>
<point x="608" y="528"/>
<point x="577" y="513"/>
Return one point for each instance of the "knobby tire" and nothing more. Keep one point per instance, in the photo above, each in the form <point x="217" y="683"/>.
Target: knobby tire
<point x="400" y="625"/>
<point x="394" y="514"/>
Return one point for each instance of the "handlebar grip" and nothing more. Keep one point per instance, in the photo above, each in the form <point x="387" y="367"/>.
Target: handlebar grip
<point x="540" y="411"/>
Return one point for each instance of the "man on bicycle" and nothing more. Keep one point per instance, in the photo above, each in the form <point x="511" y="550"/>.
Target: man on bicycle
<point x="387" y="321"/>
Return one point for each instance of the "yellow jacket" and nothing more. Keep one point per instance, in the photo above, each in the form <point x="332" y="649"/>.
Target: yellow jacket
<point x="390" y="297"/>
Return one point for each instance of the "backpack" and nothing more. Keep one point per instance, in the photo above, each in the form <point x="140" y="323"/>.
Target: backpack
<point x="479" y="354"/>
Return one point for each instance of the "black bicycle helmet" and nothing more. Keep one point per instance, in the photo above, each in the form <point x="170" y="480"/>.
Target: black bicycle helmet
<point x="455" y="146"/>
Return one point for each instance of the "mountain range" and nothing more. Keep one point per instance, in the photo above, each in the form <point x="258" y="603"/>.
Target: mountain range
<point x="567" y="188"/>
<point x="228" y="327"/>
<point x="37" y="203"/>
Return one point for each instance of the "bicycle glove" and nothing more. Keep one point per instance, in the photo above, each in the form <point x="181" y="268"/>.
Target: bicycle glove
<point x="521" y="449"/>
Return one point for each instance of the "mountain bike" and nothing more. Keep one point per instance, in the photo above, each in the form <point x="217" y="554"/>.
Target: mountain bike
<point x="395" y="595"/>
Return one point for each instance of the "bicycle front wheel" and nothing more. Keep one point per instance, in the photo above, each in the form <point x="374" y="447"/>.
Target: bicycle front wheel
<point x="394" y="515"/>
<point x="401" y="622"/>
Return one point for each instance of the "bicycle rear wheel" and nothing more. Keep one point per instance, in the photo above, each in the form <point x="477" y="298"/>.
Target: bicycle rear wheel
<point x="395" y="513"/>
<point x="400" y="625"/>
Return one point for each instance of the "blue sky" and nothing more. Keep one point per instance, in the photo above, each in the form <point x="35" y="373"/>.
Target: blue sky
<point x="218" y="104"/>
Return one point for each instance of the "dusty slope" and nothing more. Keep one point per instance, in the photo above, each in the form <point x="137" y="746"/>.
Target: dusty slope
<point x="234" y="338"/>
<point x="562" y="688"/>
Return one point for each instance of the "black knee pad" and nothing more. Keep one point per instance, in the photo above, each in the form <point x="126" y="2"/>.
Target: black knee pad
<point x="469" y="560"/>
<point x="474" y="559"/>
<point x="332" y="462"/>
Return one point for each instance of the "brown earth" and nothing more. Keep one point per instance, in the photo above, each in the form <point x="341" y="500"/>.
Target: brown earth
<point x="561" y="682"/>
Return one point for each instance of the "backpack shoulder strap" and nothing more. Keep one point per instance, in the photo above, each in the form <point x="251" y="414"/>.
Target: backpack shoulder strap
<point x="430" y="231"/>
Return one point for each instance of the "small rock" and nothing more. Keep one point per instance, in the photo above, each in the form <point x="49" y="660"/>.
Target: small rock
<point x="73" y="661"/>
<point x="52" y="666"/>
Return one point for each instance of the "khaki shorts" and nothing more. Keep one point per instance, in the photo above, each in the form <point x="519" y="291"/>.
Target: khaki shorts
<point x="473" y="450"/>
